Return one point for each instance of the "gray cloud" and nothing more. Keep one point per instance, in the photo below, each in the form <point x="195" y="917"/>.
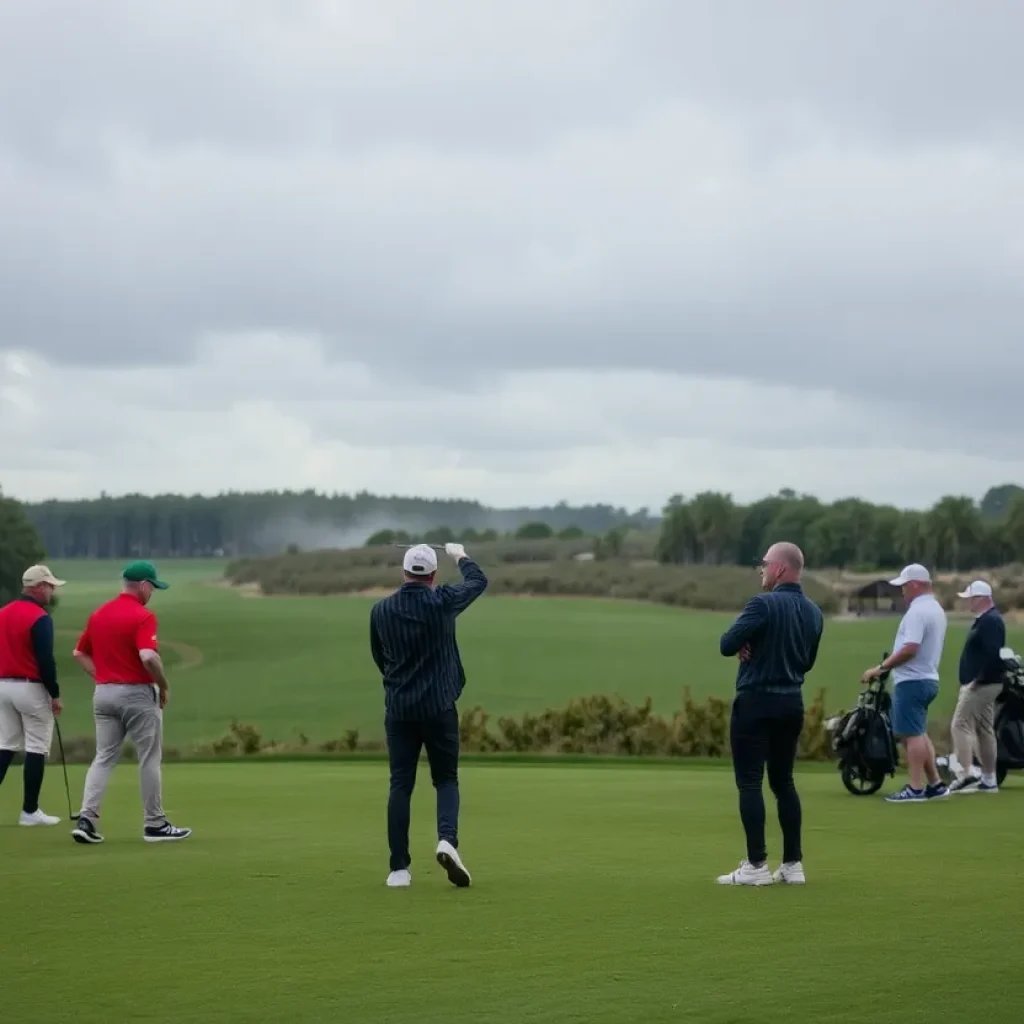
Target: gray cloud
<point x="813" y="196"/>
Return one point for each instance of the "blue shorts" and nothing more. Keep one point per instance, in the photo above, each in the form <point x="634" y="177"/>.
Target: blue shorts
<point x="910" y="700"/>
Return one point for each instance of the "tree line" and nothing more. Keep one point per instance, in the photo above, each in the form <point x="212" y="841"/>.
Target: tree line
<point x="956" y="533"/>
<point x="269" y="522"/>
<point x="708" y="528"/>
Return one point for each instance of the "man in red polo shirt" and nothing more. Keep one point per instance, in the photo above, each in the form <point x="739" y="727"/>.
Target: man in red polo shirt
<point x="119" y="650"/>
<point x="29" y="693"/>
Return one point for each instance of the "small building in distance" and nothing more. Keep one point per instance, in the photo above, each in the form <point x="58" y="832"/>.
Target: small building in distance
<point x="877" y="598"/>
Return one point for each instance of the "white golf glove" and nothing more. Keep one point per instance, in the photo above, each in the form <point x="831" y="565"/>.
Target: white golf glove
<point x="456" y="551"/>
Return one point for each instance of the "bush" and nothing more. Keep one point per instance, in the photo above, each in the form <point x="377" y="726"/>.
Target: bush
<point x="541" y="567"/>
<point x="600" y="724"/>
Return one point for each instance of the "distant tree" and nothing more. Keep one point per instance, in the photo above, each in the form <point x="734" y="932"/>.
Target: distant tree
<point x="20" y="546"/>
<point x="382" y="538"/>
<point x="953" y="528"/>
<point x="911" y="539"/>
<point x="793" y="519"/>
<point x="754" y="521"/>
<point x="439" y="535"/>
<point x="614" y="541"/>
<point x="715" y="527"/>
<point x="570" y="533"/>
<point x="998" y="500"/>
<point x="1015" y="528"/>
<point x="534" y="531"/>
<point x="677" y="540"/>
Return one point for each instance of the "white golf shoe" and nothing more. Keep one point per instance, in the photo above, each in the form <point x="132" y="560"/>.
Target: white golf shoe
<point x="38" y="817"/>
<point x="400" y="879"/>
<point x="747" y="874"/>
<point x="790" y="874"/>
<point x="448" y="858"/>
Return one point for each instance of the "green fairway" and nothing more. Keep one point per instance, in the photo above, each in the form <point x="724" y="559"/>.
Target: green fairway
<point x="593" y="900"/>
<point x="302" y="665"/>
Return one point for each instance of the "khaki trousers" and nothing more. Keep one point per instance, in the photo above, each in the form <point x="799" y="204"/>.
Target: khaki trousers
<point x="972" y="730"/>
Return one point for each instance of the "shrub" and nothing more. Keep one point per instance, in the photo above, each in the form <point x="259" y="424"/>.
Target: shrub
<point x="540" y="567"/>
<point x="599" y="724"/>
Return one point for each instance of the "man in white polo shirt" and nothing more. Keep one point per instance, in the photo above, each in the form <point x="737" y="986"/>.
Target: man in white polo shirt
<point x="915" y="673"/>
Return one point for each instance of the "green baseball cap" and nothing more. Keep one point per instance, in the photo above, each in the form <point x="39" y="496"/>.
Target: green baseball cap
<point x="143" y="572"/>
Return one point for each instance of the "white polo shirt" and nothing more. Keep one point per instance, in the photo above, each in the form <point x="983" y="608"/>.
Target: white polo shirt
<point x="924" y="623"/>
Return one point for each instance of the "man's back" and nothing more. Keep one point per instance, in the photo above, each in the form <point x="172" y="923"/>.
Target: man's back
<point x="412" y="639"/>
<point x="17" y="652"/>
<point x="783" y="629"/>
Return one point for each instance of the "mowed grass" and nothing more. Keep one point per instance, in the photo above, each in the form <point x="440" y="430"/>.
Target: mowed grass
<point x="302" y="665"/>
<point x="593" y="901"/>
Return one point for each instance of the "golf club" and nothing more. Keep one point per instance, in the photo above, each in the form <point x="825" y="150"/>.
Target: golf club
<point x="436" y="547"/>
<point x="64" y="764"/>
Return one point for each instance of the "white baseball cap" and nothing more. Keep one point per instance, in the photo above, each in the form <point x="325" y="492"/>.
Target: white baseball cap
<point x="36" y="574"/>
<point x="420" y="560"/>
<point x="912" y="574"/>
<point x="979" y="588"/>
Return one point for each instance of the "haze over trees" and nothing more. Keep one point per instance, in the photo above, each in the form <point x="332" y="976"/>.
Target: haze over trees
<point x="709" y="528"/>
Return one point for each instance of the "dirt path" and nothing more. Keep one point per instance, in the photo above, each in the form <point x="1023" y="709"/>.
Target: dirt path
<point x="191" y="657"/>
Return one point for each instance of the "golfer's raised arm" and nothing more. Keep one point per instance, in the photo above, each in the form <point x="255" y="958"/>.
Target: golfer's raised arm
<point x="457" y="597"/>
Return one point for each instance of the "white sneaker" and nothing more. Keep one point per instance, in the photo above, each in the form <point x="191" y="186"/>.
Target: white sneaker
<point x="747" y="874"/>
<point x="37" y="818"/>
<point x="790" y="874"/>
<point x="448" y="858"/>
<point x="400" y="879"/>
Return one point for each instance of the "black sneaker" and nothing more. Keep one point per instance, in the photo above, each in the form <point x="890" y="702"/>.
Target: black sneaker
<point x="85" y="832"/>
<point x="165" y="833"/>
<point x="964" y="784"/>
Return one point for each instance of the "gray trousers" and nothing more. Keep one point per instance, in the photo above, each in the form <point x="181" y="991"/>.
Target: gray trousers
<point x="123" y="711"/>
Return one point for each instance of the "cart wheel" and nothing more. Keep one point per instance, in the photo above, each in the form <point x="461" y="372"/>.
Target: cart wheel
<point x="859" y="782"/>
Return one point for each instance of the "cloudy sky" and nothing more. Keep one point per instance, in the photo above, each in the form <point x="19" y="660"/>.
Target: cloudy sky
<point x="514" y="250"/>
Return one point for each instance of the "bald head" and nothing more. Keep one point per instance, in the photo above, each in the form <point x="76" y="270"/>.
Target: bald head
<point x="783" y="563"/>
<point x="788" y="554"/>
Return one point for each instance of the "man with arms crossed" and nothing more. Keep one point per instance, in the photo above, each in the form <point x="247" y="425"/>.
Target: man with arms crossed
<point x="412" y="640"/>
<point x="981" y="681"/>
<point x="776" y="639"/>
<point x="29" y="693"/>
<point x="915" y="673"/>
<point x="119" y="650"/>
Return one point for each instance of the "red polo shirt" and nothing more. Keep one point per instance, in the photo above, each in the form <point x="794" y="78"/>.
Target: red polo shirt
<point x="17" y="652"/>
<point x="113" y="637"/>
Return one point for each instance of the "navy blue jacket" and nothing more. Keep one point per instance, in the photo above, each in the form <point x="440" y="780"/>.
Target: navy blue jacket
<point x="412" y="639"/>
<point x="783" y="628"/>
<point x="980" y="656"/>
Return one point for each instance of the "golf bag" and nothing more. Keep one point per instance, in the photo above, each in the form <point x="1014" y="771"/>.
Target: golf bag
<point x="863" y="741"/>
<point x="1009" y="722"/>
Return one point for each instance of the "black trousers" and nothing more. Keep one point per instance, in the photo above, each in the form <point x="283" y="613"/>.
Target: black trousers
<point x="765" y="731"/>
<point x="406" y="739"/>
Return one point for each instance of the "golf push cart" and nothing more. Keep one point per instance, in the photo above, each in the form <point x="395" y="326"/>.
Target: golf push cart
<point x="863" y="740"/>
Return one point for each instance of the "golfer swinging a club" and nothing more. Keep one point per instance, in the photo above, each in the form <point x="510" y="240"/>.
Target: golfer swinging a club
<point x="412" y="640"/>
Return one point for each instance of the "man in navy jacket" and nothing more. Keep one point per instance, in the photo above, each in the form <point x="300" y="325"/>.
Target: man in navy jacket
<point x="412" y="640"/>
<point x="981" y="681"/>
<point x="776" y="639"/>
